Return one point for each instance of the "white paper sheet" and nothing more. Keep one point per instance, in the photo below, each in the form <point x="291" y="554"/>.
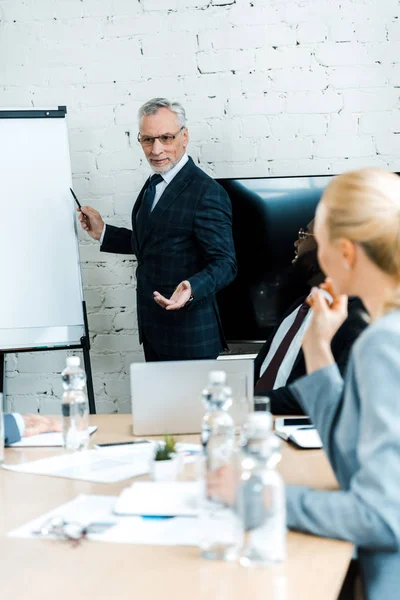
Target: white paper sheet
<point x="190" y="452"/>
<point x="151" y="498"/>
<point x="86" y="509"/>
<point x="106" y="465"/>
<point x="44" y="439"/>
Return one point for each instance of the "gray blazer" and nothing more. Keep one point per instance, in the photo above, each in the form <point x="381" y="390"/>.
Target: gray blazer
<point x="359" y="422"/>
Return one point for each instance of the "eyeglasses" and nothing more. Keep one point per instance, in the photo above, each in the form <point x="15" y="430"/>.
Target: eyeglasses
<point x="166" y="139"/>
<point x="59" y="529"/>
<point x="304" y="235"/>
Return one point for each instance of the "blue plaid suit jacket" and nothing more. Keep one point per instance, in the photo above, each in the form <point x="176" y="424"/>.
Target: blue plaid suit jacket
<point x="188" y="236"/>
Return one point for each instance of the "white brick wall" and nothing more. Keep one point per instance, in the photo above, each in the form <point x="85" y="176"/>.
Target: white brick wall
<point x="271" y="88"/>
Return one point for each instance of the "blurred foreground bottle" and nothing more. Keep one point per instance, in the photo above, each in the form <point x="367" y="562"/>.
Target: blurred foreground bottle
<point x="75" y="412"/>
<point x="220" y="524"/>
<point x="261" y="495"/>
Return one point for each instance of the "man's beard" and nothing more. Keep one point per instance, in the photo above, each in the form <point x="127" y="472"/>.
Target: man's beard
<point x="163" y="170"/>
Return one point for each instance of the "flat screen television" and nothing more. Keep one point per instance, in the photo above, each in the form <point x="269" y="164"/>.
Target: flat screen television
<point x="267" y="215"/>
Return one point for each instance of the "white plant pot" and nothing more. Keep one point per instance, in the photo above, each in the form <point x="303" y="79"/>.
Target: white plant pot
<point x="165" y="470"/>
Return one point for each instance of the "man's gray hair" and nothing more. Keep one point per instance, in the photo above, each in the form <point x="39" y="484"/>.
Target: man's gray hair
<point x="152" y="106"/>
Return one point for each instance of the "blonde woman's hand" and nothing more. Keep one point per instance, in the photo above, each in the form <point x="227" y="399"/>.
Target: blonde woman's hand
<point x="326" y="320"/>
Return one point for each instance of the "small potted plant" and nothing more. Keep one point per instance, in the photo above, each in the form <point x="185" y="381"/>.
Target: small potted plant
<point x="165" y="466"/>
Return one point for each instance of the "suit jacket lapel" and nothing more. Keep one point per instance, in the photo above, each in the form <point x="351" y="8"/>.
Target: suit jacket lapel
<point x="171" y="193"/>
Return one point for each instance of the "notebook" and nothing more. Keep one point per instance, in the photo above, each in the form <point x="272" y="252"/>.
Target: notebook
<point x="305" y="438"/>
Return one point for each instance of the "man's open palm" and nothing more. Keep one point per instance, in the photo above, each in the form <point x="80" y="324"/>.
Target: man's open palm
<point x="178" y="299"/>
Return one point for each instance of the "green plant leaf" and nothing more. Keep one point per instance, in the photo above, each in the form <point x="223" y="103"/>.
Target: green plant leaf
<point x="166" y="450"/>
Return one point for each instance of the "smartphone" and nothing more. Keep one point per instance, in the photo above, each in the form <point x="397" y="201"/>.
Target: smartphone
<point x="122" y="443"/>
<point x="295" y="421"/>
<point x="284" y="426"/>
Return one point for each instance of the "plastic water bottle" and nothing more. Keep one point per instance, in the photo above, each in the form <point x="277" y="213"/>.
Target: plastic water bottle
<point x="261" y="495"/>
<point x="220" y="524"/>
<point x="75" y="412"/>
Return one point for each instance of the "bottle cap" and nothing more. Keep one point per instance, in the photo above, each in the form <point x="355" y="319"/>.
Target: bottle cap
<point x="73" y="361"/>
<point x="217" y="377"/>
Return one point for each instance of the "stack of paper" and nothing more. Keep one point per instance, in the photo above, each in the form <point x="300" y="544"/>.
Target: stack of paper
<point x="44" y="440"/>
<point x="107" y="465"/>
<point x="98" y="511"/>
<point x="166" y="499"/>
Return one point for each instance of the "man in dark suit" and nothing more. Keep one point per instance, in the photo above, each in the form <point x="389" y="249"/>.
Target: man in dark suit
<point x="182" y="238"/>
<point x="281" y="360"/>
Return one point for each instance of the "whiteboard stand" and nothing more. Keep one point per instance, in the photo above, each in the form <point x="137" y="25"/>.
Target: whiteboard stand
<point x="85" y="343"/>
<point x="41" y="303"/>
<point x="84" y="346"/>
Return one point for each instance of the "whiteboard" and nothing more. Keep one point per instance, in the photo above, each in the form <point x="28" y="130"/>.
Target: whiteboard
<point x="41" y="287"/>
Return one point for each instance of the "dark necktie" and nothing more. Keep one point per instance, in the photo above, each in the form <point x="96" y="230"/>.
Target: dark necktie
<point x="267" y="380"/>
<point x="143" y="214"/>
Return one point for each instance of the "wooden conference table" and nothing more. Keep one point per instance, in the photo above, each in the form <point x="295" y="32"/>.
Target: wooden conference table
<point x="53" y="570"/>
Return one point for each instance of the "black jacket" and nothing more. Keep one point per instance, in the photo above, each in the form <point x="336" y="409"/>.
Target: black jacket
<point x="282" y="400"/>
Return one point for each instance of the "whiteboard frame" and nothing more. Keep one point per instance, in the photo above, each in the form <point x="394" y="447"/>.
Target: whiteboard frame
<point x="50" y="342"/>
<point x="51" y="336"/>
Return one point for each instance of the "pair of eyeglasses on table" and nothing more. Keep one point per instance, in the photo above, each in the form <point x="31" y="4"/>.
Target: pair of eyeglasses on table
<point x="59" y="529"/>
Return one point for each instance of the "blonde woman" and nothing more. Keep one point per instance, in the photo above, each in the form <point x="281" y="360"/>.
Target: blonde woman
<point x="358" y="233"/>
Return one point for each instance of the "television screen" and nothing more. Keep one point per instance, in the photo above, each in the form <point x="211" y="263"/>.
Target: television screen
<point x="267" y="215"/>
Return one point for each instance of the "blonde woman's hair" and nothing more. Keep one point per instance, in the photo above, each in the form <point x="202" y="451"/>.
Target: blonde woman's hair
<point x="364" y="207"/>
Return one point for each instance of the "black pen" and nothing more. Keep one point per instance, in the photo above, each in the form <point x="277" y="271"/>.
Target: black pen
<point x="78" y="203"/>
<point x="122" y="443"/>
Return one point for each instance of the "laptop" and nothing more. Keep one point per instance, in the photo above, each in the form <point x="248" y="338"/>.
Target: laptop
<point x="166" y="396"/>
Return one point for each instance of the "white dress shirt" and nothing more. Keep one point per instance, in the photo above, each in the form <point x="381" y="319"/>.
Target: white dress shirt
<point x="160" y="187"/>
<point x="287" y="363"/>
<point x="167" y="178"/>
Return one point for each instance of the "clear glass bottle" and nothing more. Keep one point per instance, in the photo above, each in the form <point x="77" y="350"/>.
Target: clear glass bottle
<point x="220" y="524"/>
<point x="75" y="412"/>
<point x="261" y="495"/>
